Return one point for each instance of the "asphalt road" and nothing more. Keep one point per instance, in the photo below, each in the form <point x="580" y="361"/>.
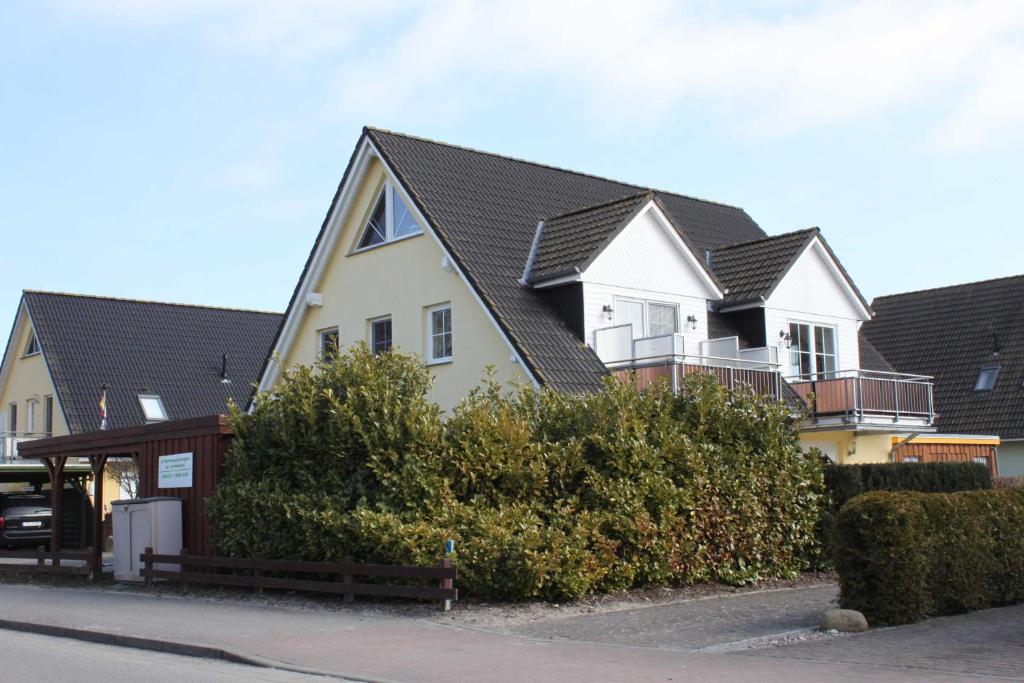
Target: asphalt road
<point x="31" y="658"/>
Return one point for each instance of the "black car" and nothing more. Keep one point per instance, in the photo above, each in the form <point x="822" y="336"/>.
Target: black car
<point x="24" y="519"/>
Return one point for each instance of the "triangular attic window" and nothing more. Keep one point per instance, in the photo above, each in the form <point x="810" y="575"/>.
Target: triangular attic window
<point x="405" y="224"/>
<point x="376" y="228"/>
<point x="33" y="345"/>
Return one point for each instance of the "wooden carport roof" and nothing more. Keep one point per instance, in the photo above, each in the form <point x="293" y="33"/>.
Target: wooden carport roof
<point x="97" y="447"/>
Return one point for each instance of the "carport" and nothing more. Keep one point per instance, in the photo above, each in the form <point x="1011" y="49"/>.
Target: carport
<point x="205" y="438"/>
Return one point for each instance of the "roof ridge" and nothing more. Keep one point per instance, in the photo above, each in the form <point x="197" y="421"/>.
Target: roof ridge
<point x="953" y="286"/>
<point x="148" y="301"/>
<point x="600" y="205"/>
<point x="768" y="238"/>
<point x="539" y="164"/>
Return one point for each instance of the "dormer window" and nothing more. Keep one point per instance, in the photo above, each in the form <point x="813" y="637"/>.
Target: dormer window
<point x="152" y="408"/>
<point x="391" y="220"/>
<point x="32" y="348"/>
<point x="987" y="378"/>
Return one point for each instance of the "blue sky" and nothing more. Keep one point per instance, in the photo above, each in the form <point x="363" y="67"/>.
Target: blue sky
<point x="187" y="150"/>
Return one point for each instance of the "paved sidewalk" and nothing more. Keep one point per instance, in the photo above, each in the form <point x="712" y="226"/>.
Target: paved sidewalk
<point x="697" y="624"/>
<point x="361" y="647"/>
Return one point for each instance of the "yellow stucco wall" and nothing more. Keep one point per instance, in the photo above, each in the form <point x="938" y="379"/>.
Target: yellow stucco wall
<point x="849" y="447"/>
<point x="28" y="379"/>
<point x="401" y="279"/>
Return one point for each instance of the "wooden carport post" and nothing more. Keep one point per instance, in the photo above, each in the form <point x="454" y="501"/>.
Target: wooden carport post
<point x="97" y="463"/>
<point x="55" y="468"/>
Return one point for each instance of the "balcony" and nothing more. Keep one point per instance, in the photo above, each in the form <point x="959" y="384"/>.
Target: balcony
<point x="867" y="398"/>
<point x="9" y="443"/>
<point x="652" y="359"/>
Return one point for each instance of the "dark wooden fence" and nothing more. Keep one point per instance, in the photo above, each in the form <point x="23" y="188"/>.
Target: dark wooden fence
<point x="41" y="556"/>
<point x="321" y="577"/>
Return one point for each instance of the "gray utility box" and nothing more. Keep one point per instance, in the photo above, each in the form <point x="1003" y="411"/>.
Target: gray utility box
<point x="145" y="523"/>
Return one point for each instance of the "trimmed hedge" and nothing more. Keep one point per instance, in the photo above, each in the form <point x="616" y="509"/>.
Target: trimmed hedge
<point x="546" y="495"/>
<point x="843" y="482"/>
<point x="907" y="556"/>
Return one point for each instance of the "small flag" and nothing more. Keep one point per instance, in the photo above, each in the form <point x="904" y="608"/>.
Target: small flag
<point x="104" y="422"/>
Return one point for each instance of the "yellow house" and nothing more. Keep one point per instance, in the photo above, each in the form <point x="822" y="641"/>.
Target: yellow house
<point x="557" y="278"/>
<point x="153" y="361"/>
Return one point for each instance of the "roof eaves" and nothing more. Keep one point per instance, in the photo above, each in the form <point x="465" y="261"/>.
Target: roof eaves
<point x="701" y="259"/>
<point x="618" y="228"/>
<point x="309" y="262"/>
<point x="533" y="367"/>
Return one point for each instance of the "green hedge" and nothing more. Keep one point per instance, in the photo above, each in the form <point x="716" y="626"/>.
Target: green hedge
<point x="546" y="495"/>
<point x="843" y="482"/>
<point x="907" y="556"/>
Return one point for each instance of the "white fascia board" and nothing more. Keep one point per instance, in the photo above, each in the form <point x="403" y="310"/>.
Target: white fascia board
<point x="429" y="229"/>
<point x="9" y="353"/>
<point x="525" y="280"/>
<point x="293" y="318"/>
<point x="837" y="273"/>
<point x="662" y="220"/>
<point x="561" y="280"/>
<point x="324" y="250"/>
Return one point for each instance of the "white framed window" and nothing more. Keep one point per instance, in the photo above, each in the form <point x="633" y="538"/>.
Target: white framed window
<point x="648" y="318"/>
<point x="390" y="220"/>
<point x="328" y="343"/>
<point x="12" y="418"/>
<point x="32" y="348"/>
<point x="48" y="415"/>
<point x="439" y="334"/>
<point x="662" y="319"/>
<point x="152" y="408"/>
<point x="30" y="415"/>
<point x="812" y="350"/>
<point x="380" y="335"/>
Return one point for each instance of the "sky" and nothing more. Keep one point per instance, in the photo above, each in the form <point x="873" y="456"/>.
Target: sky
<point x="188" y="150"/>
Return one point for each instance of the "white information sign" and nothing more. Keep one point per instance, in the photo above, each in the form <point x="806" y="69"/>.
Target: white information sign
<point x="176" y="471"/>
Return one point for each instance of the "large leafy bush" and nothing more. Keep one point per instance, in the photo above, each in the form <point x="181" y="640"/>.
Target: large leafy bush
<point x="906" y="556"/>
<point x="546" y="494"/>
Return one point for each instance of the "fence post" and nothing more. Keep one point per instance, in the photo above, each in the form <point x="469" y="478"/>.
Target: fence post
<point x="347" y="579"/>
<point x="257" y="574"/>
<point x="41" y="556"/>
<point x="147" y="563"/>
<point x="446" y="604"/>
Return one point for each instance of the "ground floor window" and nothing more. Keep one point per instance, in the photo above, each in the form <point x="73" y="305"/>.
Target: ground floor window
<point x="329" y="344"/>
<point x="380" y="335"/>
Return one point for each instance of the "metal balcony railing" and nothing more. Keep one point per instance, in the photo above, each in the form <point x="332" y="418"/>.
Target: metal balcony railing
<point x="867" y="396"/>
<point x="9" y="443"/>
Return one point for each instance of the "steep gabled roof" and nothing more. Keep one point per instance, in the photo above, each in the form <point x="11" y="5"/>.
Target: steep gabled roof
<point x="870" y="357"/>
<point x="951" y="333"/>
<point x="485" y="209"/>
<point x="752" y="270"/>
<point x="142" y="347"/>
<point x="569" y="242"/>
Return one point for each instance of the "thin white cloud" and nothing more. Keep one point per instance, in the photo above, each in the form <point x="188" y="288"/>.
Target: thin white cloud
<point x="772" y="69"/>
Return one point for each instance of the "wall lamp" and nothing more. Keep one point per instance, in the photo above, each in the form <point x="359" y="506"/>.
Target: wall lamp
<point x="691" y="320"/>
<point x="784" y="336"/>
<point x="607" y="310"/>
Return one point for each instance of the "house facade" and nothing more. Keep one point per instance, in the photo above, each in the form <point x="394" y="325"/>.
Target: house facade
<point x="971" y="338"/>
<point x="156" y="361"/>
<point x="557" y="278"/>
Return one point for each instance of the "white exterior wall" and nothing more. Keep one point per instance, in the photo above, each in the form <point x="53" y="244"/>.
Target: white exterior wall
<point x="646" y="262"/>
<point x="812" y="293"/>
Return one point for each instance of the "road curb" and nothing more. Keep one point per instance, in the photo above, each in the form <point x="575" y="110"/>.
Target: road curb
<point x="172" y="647"/>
